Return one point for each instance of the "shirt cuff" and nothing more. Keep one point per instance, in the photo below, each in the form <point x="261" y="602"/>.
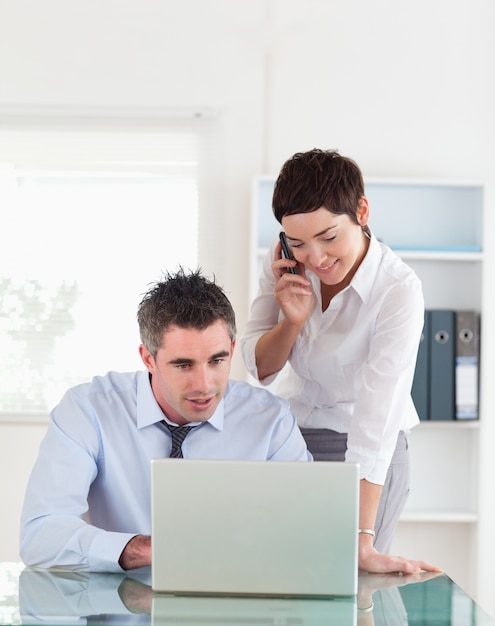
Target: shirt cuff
<point x="106" y="549"/>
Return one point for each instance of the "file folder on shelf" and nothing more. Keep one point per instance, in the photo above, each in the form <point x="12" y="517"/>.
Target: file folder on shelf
<point x="467" y="365"/>
<point x="442" y="365"/>
<point x="420" y="390"/>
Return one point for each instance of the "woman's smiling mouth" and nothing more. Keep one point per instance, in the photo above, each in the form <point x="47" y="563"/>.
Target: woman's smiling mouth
<point x="326" y="268"/>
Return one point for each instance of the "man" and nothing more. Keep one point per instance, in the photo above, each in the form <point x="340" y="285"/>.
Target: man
<point x="87" y="504"/>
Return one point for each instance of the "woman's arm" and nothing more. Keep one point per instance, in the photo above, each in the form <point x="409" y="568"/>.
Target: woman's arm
<point x="273" y="348"/>
<point x="370" y="560"/>
<point x="383" y="405"/>
<point x="292" y="297"/>
<point x="388" y="374"/>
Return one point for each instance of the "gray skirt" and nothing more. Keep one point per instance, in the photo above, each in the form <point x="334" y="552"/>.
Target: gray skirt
<point x="328" y="445"/>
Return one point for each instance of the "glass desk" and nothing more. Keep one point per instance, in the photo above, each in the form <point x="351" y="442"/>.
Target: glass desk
<point x="29" y="596"/>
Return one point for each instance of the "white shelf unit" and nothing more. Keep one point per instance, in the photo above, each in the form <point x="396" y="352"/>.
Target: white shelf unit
<point x="436" y="226"/>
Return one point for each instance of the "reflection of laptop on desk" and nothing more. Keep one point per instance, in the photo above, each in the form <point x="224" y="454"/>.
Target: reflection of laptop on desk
<point x="248" y="611"/>
<point x="254" y="527"/>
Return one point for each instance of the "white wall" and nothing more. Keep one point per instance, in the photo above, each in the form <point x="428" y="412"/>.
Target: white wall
<point x="407" y="89"/>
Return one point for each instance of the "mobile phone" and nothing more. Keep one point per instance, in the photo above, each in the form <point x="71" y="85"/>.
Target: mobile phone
<point x="286" y="251"/>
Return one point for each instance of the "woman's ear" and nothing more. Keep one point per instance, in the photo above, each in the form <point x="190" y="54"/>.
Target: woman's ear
<point x="363" y="212"/>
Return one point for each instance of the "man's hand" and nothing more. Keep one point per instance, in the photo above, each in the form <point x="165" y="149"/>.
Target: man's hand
<point x="137" y="553"/>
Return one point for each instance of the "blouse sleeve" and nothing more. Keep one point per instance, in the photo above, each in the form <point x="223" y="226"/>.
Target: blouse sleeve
<point x="264" y="315"/>
<point x="383" y="401"/>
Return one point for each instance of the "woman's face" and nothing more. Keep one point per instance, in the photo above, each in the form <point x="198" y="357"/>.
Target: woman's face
<point x="332" y="246"/>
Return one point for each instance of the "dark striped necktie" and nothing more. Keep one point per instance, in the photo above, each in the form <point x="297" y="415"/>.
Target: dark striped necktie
<point x="179" y="433"/>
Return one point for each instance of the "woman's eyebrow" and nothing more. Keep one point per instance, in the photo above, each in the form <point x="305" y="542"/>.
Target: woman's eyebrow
<point x="323" y="232"/>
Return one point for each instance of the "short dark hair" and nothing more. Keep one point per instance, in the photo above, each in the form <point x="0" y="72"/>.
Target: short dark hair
<point x="186" y="299"/>
<point x="315" y="179"/>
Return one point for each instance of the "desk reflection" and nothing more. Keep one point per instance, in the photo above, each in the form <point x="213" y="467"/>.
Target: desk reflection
<point x="62" y="597"/>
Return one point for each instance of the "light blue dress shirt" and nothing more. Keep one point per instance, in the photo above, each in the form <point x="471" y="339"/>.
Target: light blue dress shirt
<point x="89" y="491"/>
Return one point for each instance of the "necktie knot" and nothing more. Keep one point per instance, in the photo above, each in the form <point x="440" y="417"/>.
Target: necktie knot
<point x="178" y="433"/>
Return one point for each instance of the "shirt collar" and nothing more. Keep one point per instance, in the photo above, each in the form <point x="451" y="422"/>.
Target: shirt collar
<point x="363" y="280"/>
<point x="149" y="411"/>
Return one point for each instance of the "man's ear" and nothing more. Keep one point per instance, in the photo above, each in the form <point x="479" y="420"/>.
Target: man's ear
<point x="147" y="358"/>
<point x="363" y="212"/>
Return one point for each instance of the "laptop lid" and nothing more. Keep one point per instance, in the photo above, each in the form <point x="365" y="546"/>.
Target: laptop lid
<point x="254" y="527"/>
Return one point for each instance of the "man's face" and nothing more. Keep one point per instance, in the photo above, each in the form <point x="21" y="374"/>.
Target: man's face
<point x="190" y="372"/>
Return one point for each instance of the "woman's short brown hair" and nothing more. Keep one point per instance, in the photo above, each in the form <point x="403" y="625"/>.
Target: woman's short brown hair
<point x="315" y="179"/>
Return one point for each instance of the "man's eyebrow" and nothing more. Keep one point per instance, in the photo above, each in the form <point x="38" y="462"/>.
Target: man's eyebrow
<point x="181" y="361"/>
<point x="213" y="357"/>
<point x="220" y="355"/>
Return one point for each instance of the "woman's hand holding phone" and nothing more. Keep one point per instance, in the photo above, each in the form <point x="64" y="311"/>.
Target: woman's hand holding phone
<point x="286" y="253"/>
<point x="293" y="290"/>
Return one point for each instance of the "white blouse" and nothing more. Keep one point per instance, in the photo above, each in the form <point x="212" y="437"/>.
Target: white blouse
<point x="352" y="366"/>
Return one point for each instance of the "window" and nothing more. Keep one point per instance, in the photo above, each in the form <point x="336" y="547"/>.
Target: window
<point x="90" y="217"/>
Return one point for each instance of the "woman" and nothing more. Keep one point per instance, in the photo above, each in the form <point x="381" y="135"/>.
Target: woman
<point x="349" y="323"/>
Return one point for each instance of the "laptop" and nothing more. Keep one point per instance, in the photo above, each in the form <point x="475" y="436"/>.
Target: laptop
<point x="254" y="528"/>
